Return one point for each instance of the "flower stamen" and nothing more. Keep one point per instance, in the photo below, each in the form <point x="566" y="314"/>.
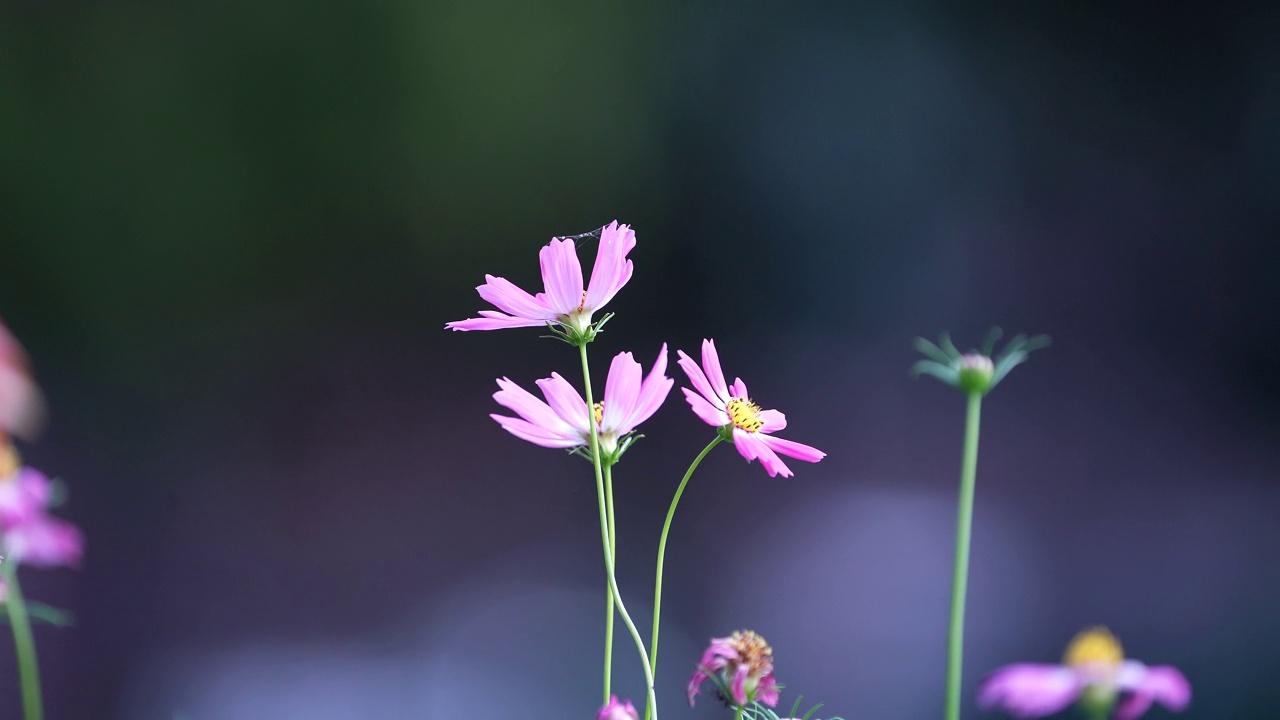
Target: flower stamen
<point x="744" y="414"/>
<point x="598" y="410"/>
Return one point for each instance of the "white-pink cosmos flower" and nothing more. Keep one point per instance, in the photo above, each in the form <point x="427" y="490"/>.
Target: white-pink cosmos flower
<point x="730" y="407"/>
<point x="565" y="300"/>
<point x="1094" y="671"/>
<point x="563" y="421"/>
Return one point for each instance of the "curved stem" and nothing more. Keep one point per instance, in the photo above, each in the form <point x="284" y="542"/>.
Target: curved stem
<point x="960" y="581"/>
<point x="662" y="552"/>
<point x="613" y="557"/>
<point x="24" y="643"/>
<point x="605" y="538"/>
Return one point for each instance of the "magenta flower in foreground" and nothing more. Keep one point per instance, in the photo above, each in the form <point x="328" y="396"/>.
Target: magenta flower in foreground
<point x="742" y="666"/>
<point x="730" y="408"/>
<point x="562" y="421"/>
<point x="565" y="301"/>
<point x="29" y="534"/>
<point x="616" y="710"/>
<point x="1094" y="672"/>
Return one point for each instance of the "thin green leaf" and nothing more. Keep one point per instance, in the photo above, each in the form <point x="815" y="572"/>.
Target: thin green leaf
<point x="933" y="351"/>
<point x="989" y="344"/>
<point x="812" y="710"/>
<point x="945" y="341"/>
<point x="946" y="374"/>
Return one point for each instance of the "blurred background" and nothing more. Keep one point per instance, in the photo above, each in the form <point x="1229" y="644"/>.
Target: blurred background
<point x="231" y="234"/>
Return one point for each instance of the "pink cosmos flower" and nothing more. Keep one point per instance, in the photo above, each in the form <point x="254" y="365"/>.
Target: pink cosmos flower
<point x="565" y="300"/>
<point x="562" y="421"/>
<point x="21" y="405"/>
<point x="725" y="406"/>
<point x="1095" y="672"/>
<point x="29" y="534"/>
<point x="616" y="710"/>
<point x="741" y="664"/>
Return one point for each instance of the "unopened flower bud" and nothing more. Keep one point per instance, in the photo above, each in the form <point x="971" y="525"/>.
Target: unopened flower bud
<point x="976" y="373"/>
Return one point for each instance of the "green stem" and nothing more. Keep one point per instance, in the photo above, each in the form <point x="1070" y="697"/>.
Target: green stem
<point x="662" y="552"/>
<point x="613" y="557"/>
<point x="605" y="538"/>
<point x="737" y="713"/>
<point x="24" y="644"/>
<point x="960" y="581"/>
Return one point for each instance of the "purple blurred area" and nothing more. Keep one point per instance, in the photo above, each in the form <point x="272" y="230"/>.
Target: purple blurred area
<point x="231" y="234"/>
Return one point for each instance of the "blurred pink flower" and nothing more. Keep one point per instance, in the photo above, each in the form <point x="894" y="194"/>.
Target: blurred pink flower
<point x="725" y="406"/>
<point x="21" y="405"/>
<point x="562" y="421"/>
<point x="565" y="301"/>
<point x="1094" y="671"/>
<point x="616" y="710"/>
<point x="30" y="535"/>
<point x="742" y="664"/>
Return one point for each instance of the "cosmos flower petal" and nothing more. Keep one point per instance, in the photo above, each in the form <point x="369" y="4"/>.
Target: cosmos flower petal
<point x="710" y="414"/>
<point x="767" y="691"/>
<point x="493" y="323"/>
<point x="530" y="408"/>
<point x="44" y="541"/>
<point x="537" y="434"/>
<point x="738" y="685"/>
<point x="621" y="391"/>
<point x="562" y="275"/>
<point x="653" y="392"/>
<point x="617" y="710"/>
<point x="612" y="270"/>
<point x="23" y="496"/>
<point x="699" y="381"/>
<point x="715" y="375"/>
<point x="566" y="402"/>
<point x="773" y="420"/>
<point x="1029" y="690"/>
<point x="695" y="685"/>
<point x="739" y="389"/>
<point x="1164" y="684"/>
<point x="793" y="449"/>
<point x="752" y="447"/>
<point x="21" y="403"/>
<point x="513" y="300"/>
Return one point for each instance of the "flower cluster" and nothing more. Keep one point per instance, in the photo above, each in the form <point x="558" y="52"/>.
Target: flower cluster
<point x="1095" y="672"/>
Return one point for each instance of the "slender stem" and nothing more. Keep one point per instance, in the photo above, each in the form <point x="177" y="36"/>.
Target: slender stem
<point x="606" y="525"/>
<point x="605" y="537"/>
<point x="24" y="644"/>
<point x="737" y="712"/>
<point x="662" y="552"/>
<point x="960" y="581"/>
<point x="613" y="557"/>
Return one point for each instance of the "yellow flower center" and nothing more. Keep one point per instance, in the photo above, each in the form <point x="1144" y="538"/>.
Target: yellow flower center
<point x="744" y="414"/>
<point x="9" y="461"/>
<point x="1095" y="646"/>
<point x="598" y="411"/>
